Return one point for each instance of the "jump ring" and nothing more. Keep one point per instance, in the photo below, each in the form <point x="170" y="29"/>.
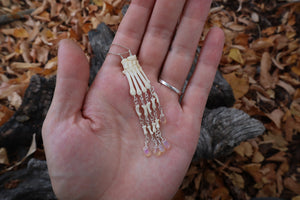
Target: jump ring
<point x="174" y="89"/>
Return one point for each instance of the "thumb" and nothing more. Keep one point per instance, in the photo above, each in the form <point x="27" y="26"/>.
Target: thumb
<point x="72" y="80"/>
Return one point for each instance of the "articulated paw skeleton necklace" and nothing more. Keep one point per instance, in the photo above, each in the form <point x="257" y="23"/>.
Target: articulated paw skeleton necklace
<point x="147" y="106"/>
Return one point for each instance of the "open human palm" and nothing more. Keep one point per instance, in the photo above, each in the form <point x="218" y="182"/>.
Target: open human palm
<point x="92" y="136"/>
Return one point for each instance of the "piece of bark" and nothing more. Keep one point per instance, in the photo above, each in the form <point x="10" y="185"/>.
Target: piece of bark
<point x="224" y="128"/>
<point x="4" y="19"/>
<point x="221" y="93"/>
<point x="16" y="134"/>
<point x="31" y="183"/>
<point x="100" y="40"/>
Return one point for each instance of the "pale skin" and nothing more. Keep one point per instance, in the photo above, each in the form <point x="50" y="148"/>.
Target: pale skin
<point x="92" y="136"/>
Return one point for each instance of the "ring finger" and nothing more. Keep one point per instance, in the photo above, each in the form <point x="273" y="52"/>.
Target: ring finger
<point x="183" y="48"/>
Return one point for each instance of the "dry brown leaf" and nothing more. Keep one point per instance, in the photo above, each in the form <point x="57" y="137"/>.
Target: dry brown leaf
<point x="239" y="85"/>
<point x="51" y="63"/>
<point x="42" y="54"/>
<point x="221" y="193"/>
<point x="40" y="9"/>
<point x="197" y="181"/>
<point x="292" y="185"/>
<point x="291" y="127"/>
<point x="276" y="116"/>
<point x="261" y="43"/>
<point x="34" y="32"/>
<point x="7" y="31"/>
<point x="244" y="149"/>
<point x="210" y="177"/>
<point x="5" y="114"/>
<point x="295" y="108"/>
<point x="242" y="39"/>
<point x="98" y="2"/>
<point x="278" y="64"/>
<point x="20" y="65"/>
<point x="278" y="157"/>
<point x="266" y="79"/>
<point x="280" y="42"/>
<point x="236" y="27"/>
<point x="296" y="198"/>
<point x="254" y="170"/>
<point x="257" y="157"/>
<point x="237" y="180"/>
<point x="15" y="100"/>
<point x="269" y="31"/>
<point x="290" y="89"/>
<point x="289" y="79"/>
<point x="20" y="33"/>
<point x="230" y="68"/>
<point x="111" y="19"/>
<point x="268" y="190"/>
<point x="87" y="27"/>
<point x="3" y="157"/>
<point x="278" y="141"/>
<point x="279" y="182"/>
<point x="236" y="55"/>
<point x="24" y="48"/>
<point x="296" y="70"/>
<point x="6" y="3"/>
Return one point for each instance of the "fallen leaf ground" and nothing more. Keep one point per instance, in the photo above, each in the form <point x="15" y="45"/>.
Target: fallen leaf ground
<point x="261" y="62"/>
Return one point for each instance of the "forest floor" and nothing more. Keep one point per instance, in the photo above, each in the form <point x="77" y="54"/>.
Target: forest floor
<point x="261" y="62"/>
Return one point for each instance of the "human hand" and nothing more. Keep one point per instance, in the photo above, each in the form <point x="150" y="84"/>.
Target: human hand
<point x="92" y="136"/>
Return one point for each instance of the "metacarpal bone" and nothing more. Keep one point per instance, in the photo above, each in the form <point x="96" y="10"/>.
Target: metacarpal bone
<point x="153" y="103"/>
<point x="145" y="110"/>
<point x="138" y="91"/>
<point x="132" y="90"/>
<point x="149" y="129"/>
<point x="145" y="130"/>
<point x="137" y="110"/>
<point x="148" y="107"/>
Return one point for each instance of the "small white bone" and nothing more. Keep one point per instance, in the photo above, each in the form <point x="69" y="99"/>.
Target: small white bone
<point x="137" y="110"/>
<point x="153" y="127"/>
<point x="157" y="123"/>
<point x="148" y="107"/>
<point x="138" y="91"/>
<point x="145" y="110"/>
<point x="153" y="103"/>
<point x="145" y="129"/>
<point x="146" y="82"/>
<point x="149" y="129"/>
<point x="132" y="90"/>
<point x="156" y="97"/>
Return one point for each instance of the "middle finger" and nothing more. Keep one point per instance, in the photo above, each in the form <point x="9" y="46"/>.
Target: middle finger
<point x="159" y="34"/>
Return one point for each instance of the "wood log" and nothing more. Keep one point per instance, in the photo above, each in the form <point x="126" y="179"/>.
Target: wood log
<point x="4" y="19"/>
<point x="100" y="40"/>
<point x="223" y="129"/>
<point x="16" y="134"/>
<point x="31" y="183"/>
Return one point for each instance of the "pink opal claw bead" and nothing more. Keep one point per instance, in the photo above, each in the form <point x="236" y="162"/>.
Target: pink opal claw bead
<point x="166" y="144"/>
<point x="147" y="152"/>
<point x="161" y="148"/>
<point x="156" y="151"/>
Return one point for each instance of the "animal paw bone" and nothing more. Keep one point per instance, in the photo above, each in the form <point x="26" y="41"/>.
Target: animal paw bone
<point x="151" y="115"/>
